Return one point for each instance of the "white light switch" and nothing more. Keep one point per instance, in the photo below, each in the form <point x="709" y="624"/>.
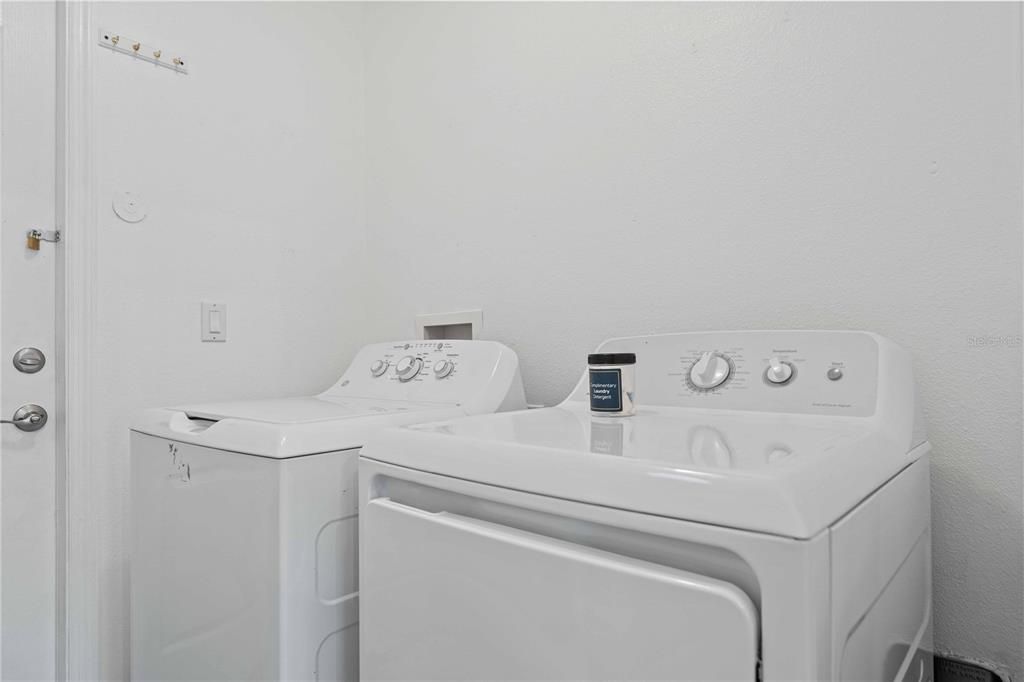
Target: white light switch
<point x="214" y="322"/>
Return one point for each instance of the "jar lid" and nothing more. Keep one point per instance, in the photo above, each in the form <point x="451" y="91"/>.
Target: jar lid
<point x="612" y="358"/>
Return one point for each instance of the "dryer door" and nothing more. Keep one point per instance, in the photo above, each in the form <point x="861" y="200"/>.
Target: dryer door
<point x="449" y="597"/>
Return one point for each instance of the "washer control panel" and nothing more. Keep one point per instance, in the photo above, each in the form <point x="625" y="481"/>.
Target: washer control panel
<point x="421" y="360"/>
<point x="806" y="372"/>
<point x="430" y="371"/>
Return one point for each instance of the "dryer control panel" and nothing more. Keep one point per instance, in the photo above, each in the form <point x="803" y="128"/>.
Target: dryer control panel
<point x="802" y="372"/>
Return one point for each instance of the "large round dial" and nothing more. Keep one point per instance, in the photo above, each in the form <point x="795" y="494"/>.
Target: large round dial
<point x="408" y="367"/>
<point x="710" y="371"/>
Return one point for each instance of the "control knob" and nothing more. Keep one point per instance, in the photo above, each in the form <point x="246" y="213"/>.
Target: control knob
<point x="778" y="372"/>
<point x="378" y="367"/>
<point x="408" y="367"/>
<point x="710" y="371"/>
<point x="443" y="368"/>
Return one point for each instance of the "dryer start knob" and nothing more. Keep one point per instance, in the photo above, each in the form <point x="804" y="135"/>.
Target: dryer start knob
<point x="378" y="367"/>
<point x="778" y="372"/>
<point x="710" y="371"/>
<point x="408" y="367"/>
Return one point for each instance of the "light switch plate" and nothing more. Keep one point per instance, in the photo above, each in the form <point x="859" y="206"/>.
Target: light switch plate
<point x="214" y="322"/>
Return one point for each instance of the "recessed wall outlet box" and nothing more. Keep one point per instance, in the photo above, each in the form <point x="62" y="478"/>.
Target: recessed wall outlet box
<point x="214" y="322"/>
<point x="466" y="324"/>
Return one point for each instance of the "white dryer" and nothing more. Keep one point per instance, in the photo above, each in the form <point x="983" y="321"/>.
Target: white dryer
<point x="244" y="546"/>
<point x="764" y="515"/>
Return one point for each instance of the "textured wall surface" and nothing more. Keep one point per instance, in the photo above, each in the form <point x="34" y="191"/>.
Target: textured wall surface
<point x="251" y="167"/>
<point x="580" y="171"/>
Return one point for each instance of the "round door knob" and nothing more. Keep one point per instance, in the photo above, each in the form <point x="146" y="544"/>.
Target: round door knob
<point x="408" y="367"/>
<point x="443" y="368"/>
<point x="379" y="367"/>
<point x="778" y="372"/>
<point x="710" y="371"/>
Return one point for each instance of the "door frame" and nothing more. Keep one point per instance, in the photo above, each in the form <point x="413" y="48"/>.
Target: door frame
<point x="2" y="38"/>
<point x="79" y="566"/>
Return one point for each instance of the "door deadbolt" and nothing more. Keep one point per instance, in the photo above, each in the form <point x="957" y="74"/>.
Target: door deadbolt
<point x="29" y="360"/>
<point x="28" y="417"/>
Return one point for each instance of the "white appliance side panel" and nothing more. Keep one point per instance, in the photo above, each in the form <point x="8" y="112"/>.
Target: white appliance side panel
<point x="319" y="567"/>
<point x="881" y="581"/>
<point x="204" y="563"/>
<point x="451" y="597"/>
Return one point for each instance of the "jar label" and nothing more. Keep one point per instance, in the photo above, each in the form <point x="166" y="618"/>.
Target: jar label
<point x="606" y="390"/>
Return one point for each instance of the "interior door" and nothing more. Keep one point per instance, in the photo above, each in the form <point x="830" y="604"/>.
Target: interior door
<point x="28" y="545"/>
<point x="450" y="597"/>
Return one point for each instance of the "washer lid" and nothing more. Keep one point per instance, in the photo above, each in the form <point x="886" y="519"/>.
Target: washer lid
<point x="288" y="427"/>
<point x="302" y="410"/>
<point x="790" y="475"/>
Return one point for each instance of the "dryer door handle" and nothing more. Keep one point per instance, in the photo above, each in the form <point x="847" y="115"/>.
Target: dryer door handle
<point x="553" y="546"/>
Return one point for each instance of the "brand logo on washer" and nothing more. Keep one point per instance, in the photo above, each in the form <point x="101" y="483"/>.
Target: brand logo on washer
<point x="180" y="469"/>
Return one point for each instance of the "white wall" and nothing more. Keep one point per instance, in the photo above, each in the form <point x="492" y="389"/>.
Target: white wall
<point x="587" y="170"/>
<point x="726" y="166"/>
<point x="252" y="168"/>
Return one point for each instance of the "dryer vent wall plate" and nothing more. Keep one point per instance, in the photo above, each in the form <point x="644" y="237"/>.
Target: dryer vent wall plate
<point x="128" y="207"/>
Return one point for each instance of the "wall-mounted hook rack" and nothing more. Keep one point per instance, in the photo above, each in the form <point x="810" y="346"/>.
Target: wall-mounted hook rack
<point x="139" y="50"/>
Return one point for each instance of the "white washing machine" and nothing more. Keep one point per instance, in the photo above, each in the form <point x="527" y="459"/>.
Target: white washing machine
<point x="244" y="546"/>
<point x="764" y="515"/>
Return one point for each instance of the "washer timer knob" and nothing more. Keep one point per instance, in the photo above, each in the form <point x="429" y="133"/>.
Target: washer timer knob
<point x="378" y="367"/>
<point x="778" y="372"/>
<point x="408" y="367"/>
<point x="710" y="371"/>
<point x="443" y="368"/>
